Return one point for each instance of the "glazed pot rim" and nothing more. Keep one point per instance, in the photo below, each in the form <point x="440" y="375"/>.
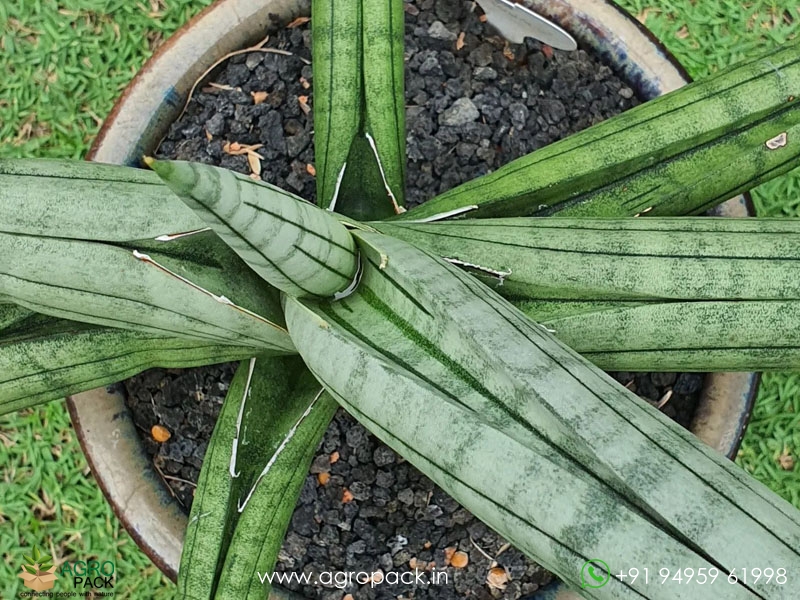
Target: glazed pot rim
<point x="152" y="101"/>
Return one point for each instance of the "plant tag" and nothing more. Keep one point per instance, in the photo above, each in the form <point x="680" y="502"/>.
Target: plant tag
<point x="516" y="22"/>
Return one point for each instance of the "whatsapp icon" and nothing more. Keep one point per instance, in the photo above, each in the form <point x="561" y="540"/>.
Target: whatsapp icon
<point x="595" y="573"/>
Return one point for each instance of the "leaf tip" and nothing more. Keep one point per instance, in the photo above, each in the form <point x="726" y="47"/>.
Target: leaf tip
<point x="165" y="169"/>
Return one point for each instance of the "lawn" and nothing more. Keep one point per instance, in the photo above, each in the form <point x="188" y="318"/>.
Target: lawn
<point x="63" y="64"/>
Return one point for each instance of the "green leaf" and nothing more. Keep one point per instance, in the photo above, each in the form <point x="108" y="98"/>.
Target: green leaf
<point x="422" y="346"/>
<point x="10" y="314"/>
<point x="43" y="358"/>
<point x="30" y="570"/>
<point x="383" y="29"/>
<point x="88" y="201"/>
<point x="676" y="154"/>
<point x="359" y="106"/>
<point x="154" y="292"/>
<point x="36" y="554"/>
<point x="338" y="89"/>
<point x="46" y="566"/>
<point x="697" y="180"/>
<point x="29" y="559"/>
<point x="270" y="425"/>
<point x="295" y="246"/>
<point x="682" y="336"/>
<point x="362" y="176"/>
<point x="638" y="260"/>
<point x="684" y="294"/>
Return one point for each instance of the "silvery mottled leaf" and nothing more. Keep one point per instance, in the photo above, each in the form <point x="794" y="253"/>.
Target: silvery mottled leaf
<point x="698" y="294"/>
<point x="44" y="358"/>
<point x="209" y="298"/>
<point x="88" y="201"/>
<point x="293" y="245"/>
<point x="681" y="153"/>
<point x="422" y="348"/>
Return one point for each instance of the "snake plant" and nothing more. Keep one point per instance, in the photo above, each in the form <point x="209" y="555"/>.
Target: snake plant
<point x="473" y="346"/>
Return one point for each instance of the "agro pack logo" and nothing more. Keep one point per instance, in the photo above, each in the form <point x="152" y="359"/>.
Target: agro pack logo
<point x="38" y="571"/>
<point x="90" y="574"/>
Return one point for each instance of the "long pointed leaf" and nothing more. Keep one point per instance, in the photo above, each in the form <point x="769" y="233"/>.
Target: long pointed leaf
<point x="729" y="117"/>
<point x="257" y="539"/>
<point x="359" y="111"/>
<point x="88" y="201"/>
<point x="383" y="33"/>
<point x="640" y="260"/>
<point x="272" y="420"/>
<point x="697" y="180"/>
<point x="290" y="243"/>
<point x="682" y="294"/>
<point x="122" y="287"/>
<point x="338" y="89"/>
<point x="43" y="358"/>
<point x="489" y="472"/>
<point x="683" y="336"/>
<point x="520" y="408"/>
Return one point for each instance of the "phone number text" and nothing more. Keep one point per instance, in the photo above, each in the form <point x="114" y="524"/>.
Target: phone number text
<point x="703" y="575"/>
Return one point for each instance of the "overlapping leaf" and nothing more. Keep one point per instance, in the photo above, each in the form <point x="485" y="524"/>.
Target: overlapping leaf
<point x="359" y="111"/>
<point x="119" y="286"/>
<point x="44" y="358"/>
<point x="697" y="180"/>
<point x="60" y="261"/>
<point x="298" y="248"/>
<point x="338" y="89"/>
<point x="271" y="422"/>
<point x="679" y="294"/>
<point x="11" y="314"/>
<point x="88" y="201"/>
<point x="421" y="344"/>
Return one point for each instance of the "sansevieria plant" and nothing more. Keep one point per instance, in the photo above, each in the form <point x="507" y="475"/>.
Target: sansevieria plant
<point x="468" y="333"/>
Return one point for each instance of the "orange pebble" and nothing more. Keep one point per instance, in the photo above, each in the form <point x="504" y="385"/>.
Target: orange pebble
<point x="160" y="434"/>
<point x="324" y="478"/>
<point x="459" y="560"/>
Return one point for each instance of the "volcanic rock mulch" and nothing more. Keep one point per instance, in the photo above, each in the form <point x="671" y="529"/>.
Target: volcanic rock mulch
<point x="474" y="103"/>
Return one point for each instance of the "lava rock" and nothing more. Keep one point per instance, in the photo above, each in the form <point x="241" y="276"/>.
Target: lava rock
<point x="462" y="111"/>
<point x="438" y="31"/>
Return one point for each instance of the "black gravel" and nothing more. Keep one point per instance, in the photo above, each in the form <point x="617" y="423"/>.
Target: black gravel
<point x="468" y="111"/>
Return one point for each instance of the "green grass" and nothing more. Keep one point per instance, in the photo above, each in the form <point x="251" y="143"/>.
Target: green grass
<point x="63" y="64"/>
<point x="49" y="499"/>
